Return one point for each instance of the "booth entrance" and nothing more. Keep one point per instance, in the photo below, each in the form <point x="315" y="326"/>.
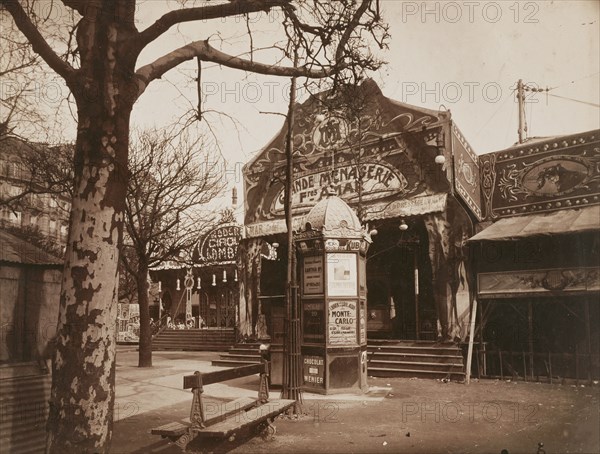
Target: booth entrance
<point x="398" y="272"/>
<point x="217" y="308"/>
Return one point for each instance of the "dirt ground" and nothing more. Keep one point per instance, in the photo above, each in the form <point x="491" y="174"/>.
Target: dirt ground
<point x="398" y="415"/>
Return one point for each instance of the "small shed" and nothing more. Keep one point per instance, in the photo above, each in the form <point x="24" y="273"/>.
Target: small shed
<point x="30" y="282"/>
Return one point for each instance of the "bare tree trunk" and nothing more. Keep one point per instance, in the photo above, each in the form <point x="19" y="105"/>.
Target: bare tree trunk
<point x="145" y="353"/>
<point x="83" y="370"/>
<point x="82" y="398"/>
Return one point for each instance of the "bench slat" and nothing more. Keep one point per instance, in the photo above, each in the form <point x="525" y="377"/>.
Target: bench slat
<point x="194" y="381"/>
<point x="226" y="409"/>
<point x="172" y="429"/>
<point x="249" y="418"/>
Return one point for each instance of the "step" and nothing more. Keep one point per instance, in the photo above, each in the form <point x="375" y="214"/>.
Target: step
<point x="243" y="351"/>
<point x="410" y="373"/>
<point x="414" y="343"/>
<point x="452" y="351"/>
<point x="415" y="357"/>
<point x="441" y="367"/>
<point x="229" y="356"/>
<point x="231" y="363"/>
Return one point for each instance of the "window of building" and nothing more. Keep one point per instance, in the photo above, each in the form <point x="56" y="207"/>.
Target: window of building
<point x="33" y="220"/>
<point x="52" y="226"/>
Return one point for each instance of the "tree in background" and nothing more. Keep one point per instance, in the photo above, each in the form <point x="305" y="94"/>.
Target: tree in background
<point x="171" y="180"/>
<point x="96" y="53"/>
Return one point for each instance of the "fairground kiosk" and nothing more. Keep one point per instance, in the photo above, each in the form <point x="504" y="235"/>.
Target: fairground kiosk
<point x="410" y="177"/>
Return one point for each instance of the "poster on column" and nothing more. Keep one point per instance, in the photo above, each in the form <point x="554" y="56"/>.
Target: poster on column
<point x="341" y="274"/>
<point x="313" y="275"/>
<point x="342" y="323"/>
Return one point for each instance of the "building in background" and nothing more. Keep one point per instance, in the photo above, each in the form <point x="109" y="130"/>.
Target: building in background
<point x="27" y="168"/>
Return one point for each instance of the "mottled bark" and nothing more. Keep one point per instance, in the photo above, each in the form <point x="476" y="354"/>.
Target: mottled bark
<point x="83" y="381"/>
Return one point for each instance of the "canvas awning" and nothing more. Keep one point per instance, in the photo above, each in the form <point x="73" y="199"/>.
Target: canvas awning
<point x="575" y="220"/>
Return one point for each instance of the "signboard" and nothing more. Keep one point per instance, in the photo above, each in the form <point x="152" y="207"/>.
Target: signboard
<point x="312" y="275"/>
<point x="220" y="245"/>
<point x="313" y="325"/>
<point x="342" y="323"/>
<point x="378" y="181"/>
<point x="341" y="274"/>
<point x="541" y="176"/>
<point x="550" y="282"/>
<point x="466" y="171"/>
<point x="313" y="370"/>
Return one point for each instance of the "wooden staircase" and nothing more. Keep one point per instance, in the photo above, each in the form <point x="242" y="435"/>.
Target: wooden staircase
<point x="194" y="339"/>
<point x="24" y="410"/>
<point x="239" y="355"/>
<point x="421" y="359"/>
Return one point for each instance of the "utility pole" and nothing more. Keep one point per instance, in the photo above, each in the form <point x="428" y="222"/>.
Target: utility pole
<point x="522" y="121"/>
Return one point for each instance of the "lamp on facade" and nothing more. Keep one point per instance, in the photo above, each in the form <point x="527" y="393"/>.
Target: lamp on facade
<point x="199" y="284"/>
<point x="224" y="276"/>
<point x="403" y="225"/>
<point x="235" y="275"/>
<point x="178" y="284"/>
<point x="214" y="282"/>
<point x="439" y="143"/>
<point x="160" y="286"/>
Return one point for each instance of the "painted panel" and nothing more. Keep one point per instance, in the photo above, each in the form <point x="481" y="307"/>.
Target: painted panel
<point x="549" y="282"/>
<point x="466" y="172"/>
<point x="542" y="176"/>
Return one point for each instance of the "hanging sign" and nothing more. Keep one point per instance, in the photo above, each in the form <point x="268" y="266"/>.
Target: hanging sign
<point x="342" y="323"/>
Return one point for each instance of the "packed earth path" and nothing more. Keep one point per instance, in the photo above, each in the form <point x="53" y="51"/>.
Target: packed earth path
<point x="397" y="415"/>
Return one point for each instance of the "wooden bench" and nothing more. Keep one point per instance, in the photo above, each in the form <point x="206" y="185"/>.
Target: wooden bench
<point x="227" y="419"/>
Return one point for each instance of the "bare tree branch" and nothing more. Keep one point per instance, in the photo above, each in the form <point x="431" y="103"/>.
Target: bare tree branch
<point x="233" y="8"/>
<point x="37" y="41"/>
<point x="206" y="52"/>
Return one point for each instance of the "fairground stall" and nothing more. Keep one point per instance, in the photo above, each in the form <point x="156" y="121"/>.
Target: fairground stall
<point x="199" y="300"/>
<point x="537" y="265"/>
<point x="411" y="179"/>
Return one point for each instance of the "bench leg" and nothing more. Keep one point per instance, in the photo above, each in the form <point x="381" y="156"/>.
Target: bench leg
<point x="267" y="429"/>
<point x="184" y="440"/>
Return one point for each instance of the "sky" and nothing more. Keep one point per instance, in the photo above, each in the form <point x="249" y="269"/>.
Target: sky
<point x="463" y="56"/>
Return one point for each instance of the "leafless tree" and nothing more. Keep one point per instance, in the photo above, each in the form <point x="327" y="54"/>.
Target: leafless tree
<point x="171" y="181"/>
<point x="97" y="56"/>
<point x="39" y="169"/>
